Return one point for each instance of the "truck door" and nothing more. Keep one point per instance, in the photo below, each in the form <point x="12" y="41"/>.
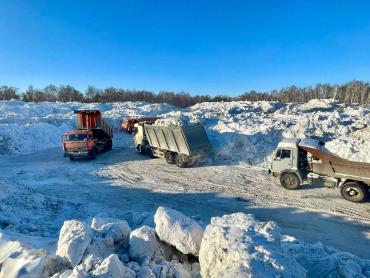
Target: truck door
<point x="283" y="160"/>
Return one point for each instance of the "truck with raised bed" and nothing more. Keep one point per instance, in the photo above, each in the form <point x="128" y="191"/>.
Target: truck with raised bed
<point x="297" y="161"/>
<point x="129" y="122"/>
<point x="182" y="145"/>
<point x="93" y="135"/>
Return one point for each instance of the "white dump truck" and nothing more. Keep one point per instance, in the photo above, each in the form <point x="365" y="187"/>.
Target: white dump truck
<point x="178" y="145"/>
<point x="297" y="161"/>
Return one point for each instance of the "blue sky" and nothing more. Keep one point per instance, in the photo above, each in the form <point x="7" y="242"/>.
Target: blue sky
<point x="203" y="47"/>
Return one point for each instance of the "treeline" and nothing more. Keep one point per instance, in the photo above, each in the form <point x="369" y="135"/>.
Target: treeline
<point x="350" y="92"/>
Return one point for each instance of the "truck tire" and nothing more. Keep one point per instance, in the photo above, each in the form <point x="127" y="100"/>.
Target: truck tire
<point x="92" y="155"/>
<point x="290" y="181"/>
<point x="354" y="192"/>
<point x="141" y="149"/>
<point x="181" y="161"/>
<point x="170" y="158"/>
<point x="71" y="158"/>
<point x="108" y="145"/>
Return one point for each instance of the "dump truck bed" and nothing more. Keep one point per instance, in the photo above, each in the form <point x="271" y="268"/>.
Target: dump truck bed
<point x="329" y="164"/>
<point x="183" y="140"/>
<point x="93" y="120"/>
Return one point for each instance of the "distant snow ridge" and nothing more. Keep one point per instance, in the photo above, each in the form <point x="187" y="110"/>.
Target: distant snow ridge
<point x="238" y="130"/>
<point x="235" y="245"/>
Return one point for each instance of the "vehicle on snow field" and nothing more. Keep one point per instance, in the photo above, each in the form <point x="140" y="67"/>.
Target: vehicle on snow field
<point x="297" y="161"/>
<point x="129" y="123"/>
<point x="182" y="146"/>
<point x="93" y="135"/>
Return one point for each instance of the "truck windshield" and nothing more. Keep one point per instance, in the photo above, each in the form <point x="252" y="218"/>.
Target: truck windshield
<point x="76" y="137"/>
<point x="283" y="153"/>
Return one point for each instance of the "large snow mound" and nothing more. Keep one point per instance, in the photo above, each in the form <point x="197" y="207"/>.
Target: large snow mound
<point x="235" y="245"/>
<point x="250" y="131"/>
<point x="27" y="126"/>
<point x="238" y="130"/>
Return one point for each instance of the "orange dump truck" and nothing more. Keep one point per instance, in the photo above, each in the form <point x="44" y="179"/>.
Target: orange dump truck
<point x="93" y="135"/>
<point x="128" y="123"/>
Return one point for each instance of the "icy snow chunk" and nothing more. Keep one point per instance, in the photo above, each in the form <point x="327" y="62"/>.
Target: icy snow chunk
<point x="73" y="240"/>
<point x="319" y="104"/>
<point x="117" y="229"/>
<point x="237" y="245"/>
<point x="18" y="261"/>
<point x="56" y="264"/>
<point x="323" y="261"/>
<point x="144" y="243"/>
<point x="112" y="267"/>
<point x="145" y="272"/>
<point x="77" y="272"/>
<point x="100" y="247"/>
<point x="178" y="230"/>
<point x="269" y="107"/>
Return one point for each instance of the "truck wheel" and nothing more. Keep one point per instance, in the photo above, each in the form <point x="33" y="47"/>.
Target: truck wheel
<point x="180" y="161"/>
<point x="108" y="145"/>
<point x="290" y="181"/>
<point x="72" y="158"/>
<point x="354" y="192"/>
<point x="170" y="158"/>
<point x="92" y="154"/>
<point x="141" y="149"/>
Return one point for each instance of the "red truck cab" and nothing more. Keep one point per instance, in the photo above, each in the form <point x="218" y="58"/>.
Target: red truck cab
<point x="93" y="135"/>
<point x="78" y="143"/>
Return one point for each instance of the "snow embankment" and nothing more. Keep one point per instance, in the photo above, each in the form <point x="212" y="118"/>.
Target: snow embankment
<point x="28" y="127"/>
<point x="239" y="130"/>
<point x="250" y="131"/>
<point x="235" y="245"/>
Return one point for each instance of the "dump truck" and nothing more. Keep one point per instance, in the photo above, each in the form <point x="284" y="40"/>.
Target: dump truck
<point x="297" y="161"/>
<point x="129" y="123"/>
<point x="182" y="146"/>
<point x="93" y="135"/>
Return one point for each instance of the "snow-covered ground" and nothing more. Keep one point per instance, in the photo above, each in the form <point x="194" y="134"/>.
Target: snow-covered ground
<point x="40" y="189"/>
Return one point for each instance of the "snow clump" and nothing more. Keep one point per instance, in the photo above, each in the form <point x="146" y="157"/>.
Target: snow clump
<point x="178" y="230"/>
<point x="74" y="238"/>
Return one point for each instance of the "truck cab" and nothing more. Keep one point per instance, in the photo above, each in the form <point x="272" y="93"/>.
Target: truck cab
<point x="140" y="141"/>
<point x="78" y="143"/>
<point x="290" y="163"/>
<point x="93" y="135"/>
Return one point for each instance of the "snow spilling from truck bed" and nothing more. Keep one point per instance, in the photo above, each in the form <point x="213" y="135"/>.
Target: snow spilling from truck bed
<point x="238" y="131"/>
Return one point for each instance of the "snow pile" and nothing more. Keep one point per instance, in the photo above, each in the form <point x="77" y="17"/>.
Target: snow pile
<point x="27" y="127"/>
<point x="178" y="230"/>
<point x="355" y="146"/>
<point x="238" y="130"/>
<point x="250" y="131"/>
<point x="235" y="245"/>
<point x="19" y="261"/>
